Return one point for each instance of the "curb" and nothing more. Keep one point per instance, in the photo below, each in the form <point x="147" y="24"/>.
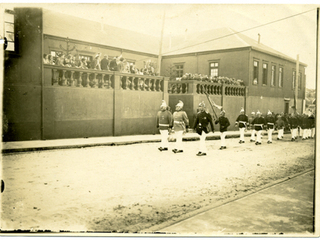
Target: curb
<point x="155" y="229"/>
<point x="110" y="143"/>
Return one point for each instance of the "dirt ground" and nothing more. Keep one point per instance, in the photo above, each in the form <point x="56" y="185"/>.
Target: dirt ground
<point x="133" y="187"/>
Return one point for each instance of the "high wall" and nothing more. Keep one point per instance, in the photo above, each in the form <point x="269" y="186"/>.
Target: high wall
<point x="192" y="92"/>
<point x="22" y="78"/>
<point x="75" y="109"/>
<point x="50" y="102"/>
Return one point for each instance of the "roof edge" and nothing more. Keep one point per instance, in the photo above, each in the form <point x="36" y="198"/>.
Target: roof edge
<point x="100" y="45"/>
<point x="279" y="56"/>
<point x="206" y="52"/>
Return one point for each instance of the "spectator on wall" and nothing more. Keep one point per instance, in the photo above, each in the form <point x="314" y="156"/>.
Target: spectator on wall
<point x="121" y="64"/>
<point x="83" y="64"/>
<point x="60" y="59"/>
<point x="50" y="59"/>
<point x="96" y="62"/>
<point x="105" y="63"/>
<point x="132" y="68"/>
<point x="45" y="58"/>
<point x="67" y="61"/>
<point x="113" y="64"/>
<point x="77" y="61"/>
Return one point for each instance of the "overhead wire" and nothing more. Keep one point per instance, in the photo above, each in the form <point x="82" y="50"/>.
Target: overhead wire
<point x="265" y="24"/>
<point x="228" y="35"/>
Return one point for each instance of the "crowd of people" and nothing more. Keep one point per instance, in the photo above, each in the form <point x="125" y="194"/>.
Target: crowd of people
<point x="300" y="125"/>
<point x="211" y="79"/>
<point x="98" y="63"/>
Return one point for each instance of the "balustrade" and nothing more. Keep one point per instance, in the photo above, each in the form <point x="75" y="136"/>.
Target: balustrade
<point x="196" y="87"/>
<point x="141" y="82"/>
<point x="178" y="87"/>
<point x="89" y="78"/>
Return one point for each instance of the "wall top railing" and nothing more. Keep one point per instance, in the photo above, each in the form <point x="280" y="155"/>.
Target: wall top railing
<point x="199" y="87"/>
<point x="91" y="78"/>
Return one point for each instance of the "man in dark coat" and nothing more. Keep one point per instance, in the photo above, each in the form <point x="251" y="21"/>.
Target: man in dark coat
<point x="293" y="123"/>
<point x="258" y="124"/>
<point x="201" y="126"/>
<point x="105" y="63"/>
<point x="270" y="121"/>
<point x="224" y="124"/>
<point x="305" y="126"/>
<point x="242" y="121"/>
<point x="164" y="123"/>
<point x="113" y="64"/>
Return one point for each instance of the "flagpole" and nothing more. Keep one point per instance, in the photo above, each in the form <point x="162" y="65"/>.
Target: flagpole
<point x="161" y="39"/>
<point x="296" y="85"/>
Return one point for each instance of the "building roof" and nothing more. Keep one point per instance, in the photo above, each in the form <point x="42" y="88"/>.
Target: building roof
<point x="63" y="25"/>
<point x="213" y="40"/>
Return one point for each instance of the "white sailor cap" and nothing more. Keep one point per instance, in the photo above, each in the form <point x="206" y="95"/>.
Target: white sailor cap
<point x="269" y="112"/>
<point x="258" y="112"/>
<point x="253" y="113"/>
<point x="180" y="104"/>
<point x="242" y="110"/>
<point x="163" y="104"/>
<point x="202" y="104"/>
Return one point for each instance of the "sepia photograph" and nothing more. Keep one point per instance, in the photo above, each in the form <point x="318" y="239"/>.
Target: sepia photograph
<point x="159" y="119"/>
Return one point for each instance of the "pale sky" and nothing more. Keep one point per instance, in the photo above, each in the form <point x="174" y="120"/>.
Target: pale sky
<point x="292" y="36"/>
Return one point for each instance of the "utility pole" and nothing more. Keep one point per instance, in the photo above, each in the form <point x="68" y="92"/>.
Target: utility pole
<point x="160" y="47"/>
<point x="296" y="85"/>
<point x="316" y="220"/>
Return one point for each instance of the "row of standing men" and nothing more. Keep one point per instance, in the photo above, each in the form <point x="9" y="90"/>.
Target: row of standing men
<point x="179" y="122"/>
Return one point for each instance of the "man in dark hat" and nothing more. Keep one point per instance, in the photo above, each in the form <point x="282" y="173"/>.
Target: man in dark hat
<point x="201" y="126"/>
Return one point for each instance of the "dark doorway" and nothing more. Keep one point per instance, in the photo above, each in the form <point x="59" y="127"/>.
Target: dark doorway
<point x="286" y="107"/>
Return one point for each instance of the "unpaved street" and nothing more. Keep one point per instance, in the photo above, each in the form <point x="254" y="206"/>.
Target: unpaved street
<point x="133" y="187"/>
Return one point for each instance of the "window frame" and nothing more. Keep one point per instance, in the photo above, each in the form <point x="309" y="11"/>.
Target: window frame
<point x="300" y="81"/>
<point x="273" y="75"/>
<point x="215" y="67"/>
<point x="178" y="70"/>
<point x="264" y="74"/>
<point x="293" y="83"/>
<point x="255" y="72"/>
<point x="281" y="73"/>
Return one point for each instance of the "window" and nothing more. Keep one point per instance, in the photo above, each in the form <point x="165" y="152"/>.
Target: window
<point x="255" y="72"/>
<point x="9" y="29"/>
<point x="179" y="70"/>
<point x="264" y="74"/>
<point x="273" y="75"/>
<point x="293" y="79"/>
<point x="214" y="69"/>
<point x="280" y="77"/>
<point x="299" y="80"/>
